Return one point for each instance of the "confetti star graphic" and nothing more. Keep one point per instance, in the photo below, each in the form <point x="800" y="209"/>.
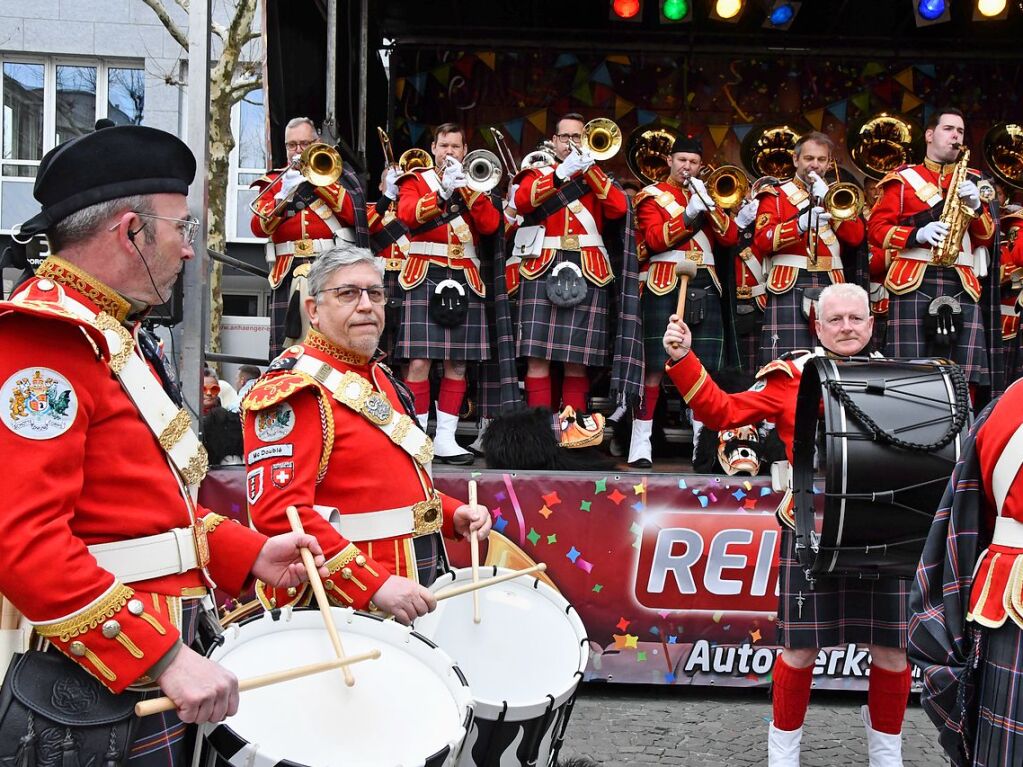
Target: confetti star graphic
<point x="500" y="524"/>
<point x="545" y="512"/>
<point x="631" y="640"/>
<point x="673" y="639"/>
<point x="615" y="497"/>
<point x="755" y="635"/>
<point x="635" y="529"/>
<point x="600" y="486"/>
<point x="584" y="505"/>
<point x="574" y="554"/>
<point x="533" y="536"/>
<point x="598" y="587"/>
<point x="622" y="624"/>
<point x="750" y="503"/>
<point x="620" y="641"/>
<point x="552" y="538"/>
<point x="639" y="489"/>
<point x="551" y="499"/>
<point x="640" y="656"/>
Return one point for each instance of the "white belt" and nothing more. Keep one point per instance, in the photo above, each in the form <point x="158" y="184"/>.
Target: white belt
<point x="678" y="256"/>
<point x="781" y="476"/>
<point x="924" y="254"/>
<point x="1008" y="311"/>
<point x="307" y="248"/>
<point x="757" y="290"/>
<point x="370" y="525"/>
<point x="153" y="556"/>
<point x="573" y="242"/>
<point x="455" y="250"/>
<point x="801" y="262"/>
<point x="1008" y="532"/>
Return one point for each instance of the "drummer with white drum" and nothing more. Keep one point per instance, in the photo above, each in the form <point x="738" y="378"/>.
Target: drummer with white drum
<point x="834" y="611"/>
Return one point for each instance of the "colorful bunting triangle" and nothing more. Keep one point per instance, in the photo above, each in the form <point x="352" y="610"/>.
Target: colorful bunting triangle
<point x="861" y="101"/>
<point x="622" y="107"/>
<point x="905" y="78"/>
<point x="487" y="57"/>
<point x="872" y="68"/>
<point x="582" y="93"/>
<point x="623" y="60"/>
<point x="418" y="81"/>
<point x="566" y="60"/>
<point x="717" y="133"/>
<point x="926" y="69"/>
<point x="513" y="129"/>
<point x="741" y="130"/>
<point x="538" y="120"/>
<point x="601" y="75"/>
<point x="840" y="108"/>
<point x="442" y="73"/>
<point x="645" y="116"/>
<point x="815" y="117"/>
<point x="415" y="131"/>
<point x="910" y="102"/>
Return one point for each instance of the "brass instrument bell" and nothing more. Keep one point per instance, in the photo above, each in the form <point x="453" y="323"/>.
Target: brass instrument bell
<point x="1003" y="152"/>
<point x="602" y="138"/>
<point x="647" y="152"/>
<point x="414" y="159"/>
<point x="882" y="144"/>
<point x="769" y="152"/>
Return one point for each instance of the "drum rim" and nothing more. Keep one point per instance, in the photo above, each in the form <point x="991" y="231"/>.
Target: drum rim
<point x="463" y="700"/>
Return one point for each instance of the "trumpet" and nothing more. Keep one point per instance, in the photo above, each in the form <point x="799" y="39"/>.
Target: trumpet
<point x="483" y="170"/>
<point x="319" y="163"/>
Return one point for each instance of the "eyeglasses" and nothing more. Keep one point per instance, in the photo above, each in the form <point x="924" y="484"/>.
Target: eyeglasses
<point x="211" y="390"/>
<point x="293" y="146"/>
<point x="188" y="227"/>
<point x="566" y="137"/>
<point x="347" y="295"/>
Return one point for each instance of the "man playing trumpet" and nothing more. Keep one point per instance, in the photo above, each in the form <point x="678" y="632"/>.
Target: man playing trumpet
<point x="679" y="221"/>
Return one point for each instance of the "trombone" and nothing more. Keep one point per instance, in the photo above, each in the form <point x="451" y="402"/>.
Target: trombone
<point x="319" y="163"/>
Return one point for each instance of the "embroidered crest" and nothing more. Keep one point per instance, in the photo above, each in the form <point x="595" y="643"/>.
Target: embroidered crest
<point x="38" y="403"/>
<point x="763" y="220"/>
<point x="759" y="385"/>
<point x="254" y="485"/>
<point x="275" y="423"/>
<point x="282" y="473"/>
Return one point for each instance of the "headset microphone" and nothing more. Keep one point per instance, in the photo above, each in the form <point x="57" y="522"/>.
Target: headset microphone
<point x="131" y="234"/>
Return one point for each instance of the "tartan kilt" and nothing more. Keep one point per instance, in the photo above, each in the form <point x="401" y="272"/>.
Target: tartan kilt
<point x="708" y="336"/>
<point x="906" y="336"/>
<point x="392" y="316"/>
<point x="838" y="611"/>
<point x="163" y="739"/>
<point x="578" y="335"/>
<point x="999" y="705"/>
<point x="784" y="318"/>
<point x="279" y="299"/>
<point x="420" y="338"/>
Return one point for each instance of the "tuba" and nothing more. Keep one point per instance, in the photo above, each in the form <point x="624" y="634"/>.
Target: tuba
<point x="647" y="152"/>
<point x="320" y="164"/>
<point x="414" y="159"/>
<point x="1003" y="152"/>
<point x="881" y="144"/>
<point x="768" y="152"/>
<point x="602" y="138"/>
<point x="483" y="169"/>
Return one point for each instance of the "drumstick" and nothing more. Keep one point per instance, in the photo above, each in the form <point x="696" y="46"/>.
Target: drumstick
<point x="9" y="615"/>
<point x="321" y="595"/>
<point x="159" y="705"/>
<point x="454" y="591"/>
<point x="474" y="550"/>
<point x="684" y="270"/>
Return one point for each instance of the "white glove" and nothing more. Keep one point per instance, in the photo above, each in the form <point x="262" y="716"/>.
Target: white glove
<point x="819" y="188"/>
<point x="391" y="183"/>
<point x="510" y="215"/>
<point x="813" y="220"/>
<point x="932" y="233"/>
<point x="747" y="214"/>
<point x="698" y="199"/>
<point x="292" y="178"/>
<point x="575" y="163"/>
<point x="969" y="193"/>
<point x="453" y="178"/>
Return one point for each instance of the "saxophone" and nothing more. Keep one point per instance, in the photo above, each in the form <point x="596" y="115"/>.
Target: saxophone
<point x="954" y="213"/>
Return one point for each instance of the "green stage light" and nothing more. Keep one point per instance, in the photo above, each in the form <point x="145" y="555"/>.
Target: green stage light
<point x="675" y="10"/>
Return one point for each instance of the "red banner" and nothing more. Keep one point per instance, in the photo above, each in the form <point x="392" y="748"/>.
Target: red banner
<point x="675" y="577"/>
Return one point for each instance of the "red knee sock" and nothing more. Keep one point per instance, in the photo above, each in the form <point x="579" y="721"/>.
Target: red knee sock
<point x="887" y="697"/>
<point x="650" y="395"/>
<point x="574" y="392"/>
<point x="538" y="391"/>
<point x="790" y="695"/>
<point x="452" y="392"/>
<point x="421" y="394"/>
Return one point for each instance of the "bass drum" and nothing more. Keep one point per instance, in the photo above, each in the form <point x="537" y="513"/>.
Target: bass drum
<point x="893" y="430"/>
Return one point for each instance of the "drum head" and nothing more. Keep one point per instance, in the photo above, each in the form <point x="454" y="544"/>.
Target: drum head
<point x="529" y="644"/>
<point x="406" y="706"/>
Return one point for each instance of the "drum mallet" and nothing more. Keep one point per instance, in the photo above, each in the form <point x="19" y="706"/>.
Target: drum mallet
<point x="455" y="591"/>
<point x="474" y="550"/>
<point x="321" y="595"/>
<point x="684" y="269"/>
<point x="159" y="705"/>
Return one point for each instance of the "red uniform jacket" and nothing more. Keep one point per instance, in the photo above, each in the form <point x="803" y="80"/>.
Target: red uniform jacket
<point x="304" y="226"/>
<point x="891" y="228"/>
<point x="777" y="234"/>
<point x="661" y="226"/>
<point x="419" y="202"/>
<point x="91" y="472"/>
<point x="392" y="256"/>
<point x="1011" y="273"/>
<point x="304" y="448"/>
<point x="603" y="201"/>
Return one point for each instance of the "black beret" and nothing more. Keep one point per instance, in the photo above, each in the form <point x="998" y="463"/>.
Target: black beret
<point x="687" y="144"/>
<point x="106" y="164"/>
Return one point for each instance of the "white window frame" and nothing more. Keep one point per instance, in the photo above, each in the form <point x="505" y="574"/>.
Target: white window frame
<point x="50" y="64"/>
<point x="233" y="187"/>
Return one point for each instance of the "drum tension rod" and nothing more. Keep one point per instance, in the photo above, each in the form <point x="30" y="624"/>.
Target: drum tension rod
<point x="875" y="385"/>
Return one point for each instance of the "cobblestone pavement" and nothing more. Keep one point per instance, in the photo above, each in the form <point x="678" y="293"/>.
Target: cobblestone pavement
<point x="701" y="727"/>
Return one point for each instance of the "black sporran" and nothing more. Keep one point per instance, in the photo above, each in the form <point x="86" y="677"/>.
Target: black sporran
<point x="52" y="712"/>
<point x="747" y="319"/>
<point x="566" y="286"/>
<point x="696" y="306"/>
<point x="942" y="323"/>
<point x="449" y="304"/>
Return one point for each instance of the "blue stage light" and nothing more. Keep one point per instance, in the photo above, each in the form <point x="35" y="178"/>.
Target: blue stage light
<point x="931" y="9"/>
<point x="782" y="14"/>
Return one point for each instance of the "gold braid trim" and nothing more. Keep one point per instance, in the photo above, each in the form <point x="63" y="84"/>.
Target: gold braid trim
<point x="344" y="557"/>
<point x="210" y="521"/>
<point x="175" y="430"/>
<point x="327" y="428"/>
<point x="89" y="618"/>
<point x="316" y="340"/>
<point x="69" y="275"/>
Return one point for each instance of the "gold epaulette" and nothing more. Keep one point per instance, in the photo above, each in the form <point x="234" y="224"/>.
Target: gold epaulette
<point x="771" y="189"/>
<point x="412" y="173"/>
<point x="892" y="175"/>
<point x="266" y="179"/>
<point x="783" y="363"/>
<point x="271" y="389"/>
<point x="645" y="193"/>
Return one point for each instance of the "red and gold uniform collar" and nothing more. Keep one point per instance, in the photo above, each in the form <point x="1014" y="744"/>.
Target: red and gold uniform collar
<point x="673" y="183"/>
<point x="939" y="168"/>
<point x="319" y="342"/>
<point x="70" y="276"/>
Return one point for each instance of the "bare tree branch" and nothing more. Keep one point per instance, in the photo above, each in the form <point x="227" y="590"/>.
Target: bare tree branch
<point x="240" y="89"/>
<point x="183" y="5"/>
<point x="161" y="13"/>
<point x="219" y="30"/>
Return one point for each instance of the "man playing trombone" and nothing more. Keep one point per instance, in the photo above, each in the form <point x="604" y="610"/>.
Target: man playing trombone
<point x="302" y="215"/>
<point x="679" y="221"/>
<point x="443" y="315"/>
<point x="803" y="242"/>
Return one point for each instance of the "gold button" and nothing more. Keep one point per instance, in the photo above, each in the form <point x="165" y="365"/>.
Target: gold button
<point x="328" y="585"/>
<point x="77" y="648"/>
<point x="292" y="591"/>
<point x="111" y="629"/>
<point x="135" y="607"/>
<point x="346" y="573"/>
<point x="45" y="284"/>
<point x="360" y="560"/>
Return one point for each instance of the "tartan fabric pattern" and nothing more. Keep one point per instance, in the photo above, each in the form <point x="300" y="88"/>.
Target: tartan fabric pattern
<point x="578" y="334"/>
<point x="163" y="740"/>
<point x="392" y="317"/>
<point x="785" y="327"/>
<point x="430" y="560"/>
<point x="279" y="299"/>
<point x="999" y="741"/>
<point x="838" y="611"/>
<point x="419" y="337"/>
<point x="708" y="336"/>
<point x="627" y="363"/>
<point x="906" y="335"/>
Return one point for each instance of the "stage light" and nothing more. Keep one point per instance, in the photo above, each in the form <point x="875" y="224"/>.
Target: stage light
<point x="728" y="9"/>
<point x="928" y="12"/>
<point x="674" y="10"/>
<point x="626" y="10"/>
<point x="991" y="10"/>
<point x="781" y="15"/>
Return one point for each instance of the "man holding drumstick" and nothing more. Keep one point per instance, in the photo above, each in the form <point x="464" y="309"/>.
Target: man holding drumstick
<point x="835" y="611"/>
<point x="331" y="431"/>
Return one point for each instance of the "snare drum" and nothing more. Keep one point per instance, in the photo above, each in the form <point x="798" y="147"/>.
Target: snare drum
<point x="883" y="479"/>
<point x="411" y="706"/>
<point x="523" y="661"/>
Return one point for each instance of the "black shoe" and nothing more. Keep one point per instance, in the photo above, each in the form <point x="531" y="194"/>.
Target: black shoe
<point x="458" y="459"/>
<point x="641" y="463"/>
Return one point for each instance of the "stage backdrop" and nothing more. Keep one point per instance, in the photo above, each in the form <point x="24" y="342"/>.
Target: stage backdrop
<point x="674" y="577"/>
